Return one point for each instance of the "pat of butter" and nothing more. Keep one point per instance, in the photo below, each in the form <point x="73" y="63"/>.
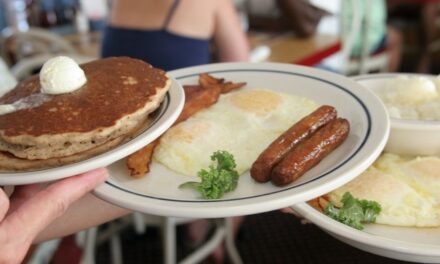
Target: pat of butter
<point x="61" y="75"/>
<point x="58" y="75"/>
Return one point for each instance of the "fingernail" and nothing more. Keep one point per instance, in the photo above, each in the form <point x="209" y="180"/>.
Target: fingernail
<point x="100" y="174"/>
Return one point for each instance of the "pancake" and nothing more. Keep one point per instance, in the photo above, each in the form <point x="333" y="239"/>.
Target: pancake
<point x="118" y="96"/>
<point x="9" y="162"/>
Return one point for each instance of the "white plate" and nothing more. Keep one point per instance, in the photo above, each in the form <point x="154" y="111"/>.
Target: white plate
<point x="403" y="243"/>
<point x="164" y="117"/>
<point x="158" y="193"/>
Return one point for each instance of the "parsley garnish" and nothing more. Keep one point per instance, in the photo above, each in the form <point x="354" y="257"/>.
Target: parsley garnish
<point x="354" y="211"/>
<point x="219" y="179"/>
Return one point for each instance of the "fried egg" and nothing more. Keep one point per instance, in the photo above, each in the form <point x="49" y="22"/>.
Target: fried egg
<point x="408" y="189"/>
<point x="244" y="123"/>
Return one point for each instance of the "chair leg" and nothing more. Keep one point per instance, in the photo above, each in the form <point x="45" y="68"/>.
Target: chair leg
<point x="169" y="240"/>
<point x="209" y="246"/>
<point x="115" y="245"/>
<point x="231" y="249"/>
<point x="139" y="223"/>
<point x="89" y="246"/>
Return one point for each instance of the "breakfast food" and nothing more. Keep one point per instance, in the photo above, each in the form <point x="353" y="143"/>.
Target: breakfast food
<point x="310" y="152"/>
<point x="353" y="212"/>
<point x="301" y="147"/>
<point x="207" y="80"/>
<point x="197" y="97"/>
<point x="261" y="169"/>
<point x="61" y="75"/>
<point x="220" y="178"/>
<point x="243" y="123"/>
<point x="412" y="97"/>
<point x="116" y="100"/>
<point x="407" y="188"/>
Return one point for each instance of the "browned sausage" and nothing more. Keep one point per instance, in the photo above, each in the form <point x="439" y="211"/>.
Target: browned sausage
<point x="310" y="152"/>
<point x="264" y="164"/>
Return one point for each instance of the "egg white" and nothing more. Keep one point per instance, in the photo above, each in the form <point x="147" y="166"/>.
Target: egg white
<point x="406" y="188"/>
<point x="243" y="122"/>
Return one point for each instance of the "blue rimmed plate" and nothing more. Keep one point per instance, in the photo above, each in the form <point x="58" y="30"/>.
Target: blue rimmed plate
<point x="158" y="192"/>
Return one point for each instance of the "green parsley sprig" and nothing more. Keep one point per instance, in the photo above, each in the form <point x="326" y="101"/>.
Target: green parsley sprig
<point x="354" y="211"/>
<point x="219" y="179"/>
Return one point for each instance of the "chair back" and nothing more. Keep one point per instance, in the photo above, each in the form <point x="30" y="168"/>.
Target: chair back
<point x="16" y="45"/>
<point x="348" y="30"/>
<point x="366" y="61"/>
<point x="349" y="36"/>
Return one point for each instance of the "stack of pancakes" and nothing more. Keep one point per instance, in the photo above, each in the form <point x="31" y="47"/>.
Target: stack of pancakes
<point x="114" y="103"/>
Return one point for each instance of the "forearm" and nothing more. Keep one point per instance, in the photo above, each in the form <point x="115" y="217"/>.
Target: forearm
<point x="230" y="40"/>
<point x="85" y="213"/>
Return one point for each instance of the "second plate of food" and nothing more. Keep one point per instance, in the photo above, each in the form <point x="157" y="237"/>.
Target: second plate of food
<point x="244" y="122"/>
<point x="403" y="181"/>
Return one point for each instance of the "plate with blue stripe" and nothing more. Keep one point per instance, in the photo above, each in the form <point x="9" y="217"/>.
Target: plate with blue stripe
<point x="159" y="193"/>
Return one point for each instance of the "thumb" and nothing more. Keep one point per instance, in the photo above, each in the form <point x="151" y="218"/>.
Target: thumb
<point x="38" y="212"/>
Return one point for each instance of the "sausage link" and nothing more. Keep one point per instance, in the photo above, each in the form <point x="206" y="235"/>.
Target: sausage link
<point x="262" y="167"/>
<point x="310" y="152"/>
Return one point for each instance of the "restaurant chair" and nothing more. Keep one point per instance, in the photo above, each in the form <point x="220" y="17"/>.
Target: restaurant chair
<point x="16" y="45"/>
<point x="343" y="62"/>
<point x="27" y="51"/>
<point x="366" y="62"/>
<point x="223" y="232"/>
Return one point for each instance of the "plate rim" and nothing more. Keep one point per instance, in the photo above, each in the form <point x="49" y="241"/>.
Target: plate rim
<point x="349" y="233"/>
<point x="156" y="204"/>
<point x="174" y="98"/>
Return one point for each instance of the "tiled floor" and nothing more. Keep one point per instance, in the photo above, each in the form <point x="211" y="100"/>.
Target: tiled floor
<point x="272" y="237"/>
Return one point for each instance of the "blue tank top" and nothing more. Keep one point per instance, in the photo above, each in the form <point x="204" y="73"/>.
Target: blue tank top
<point x="160" y="48"/>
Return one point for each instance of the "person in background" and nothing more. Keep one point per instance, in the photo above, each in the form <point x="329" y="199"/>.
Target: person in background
<point x="173" y="34"/>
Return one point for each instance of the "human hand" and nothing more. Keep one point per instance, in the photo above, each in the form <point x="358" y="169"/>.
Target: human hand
<point x="31" y="208"/>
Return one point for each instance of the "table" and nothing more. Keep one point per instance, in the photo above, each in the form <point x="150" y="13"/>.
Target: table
<point x="285" y="47"/>
<point x="289" y="48"/>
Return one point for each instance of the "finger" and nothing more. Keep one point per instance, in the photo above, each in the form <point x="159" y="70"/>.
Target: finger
<point x="22" y="194"/>
<point x="4" y="204"/>
<point x="35" y="214"/>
